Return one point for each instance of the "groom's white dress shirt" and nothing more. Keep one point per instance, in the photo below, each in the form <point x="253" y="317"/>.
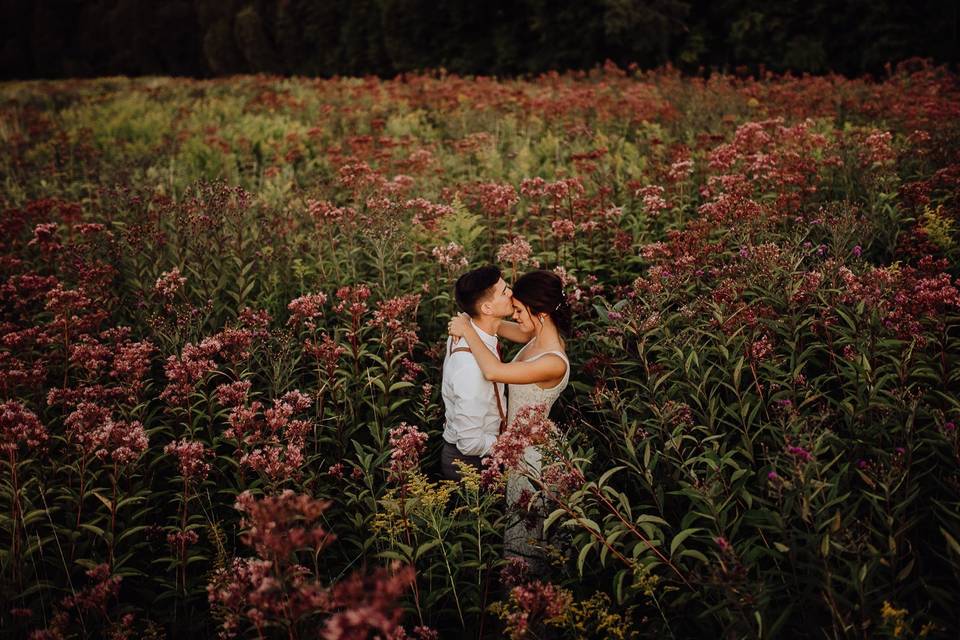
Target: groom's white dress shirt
<point x="472" y="417"/>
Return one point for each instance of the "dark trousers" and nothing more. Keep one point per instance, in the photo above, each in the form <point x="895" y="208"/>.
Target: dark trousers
<point x="451" y="453"/>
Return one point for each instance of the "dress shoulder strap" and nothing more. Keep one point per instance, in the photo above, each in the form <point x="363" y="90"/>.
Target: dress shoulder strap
<point x="556" y="353"/>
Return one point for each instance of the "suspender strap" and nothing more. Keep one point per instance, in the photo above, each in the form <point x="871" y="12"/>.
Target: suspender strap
<point x="496" y="391"/>
<point x="503" y="416"/>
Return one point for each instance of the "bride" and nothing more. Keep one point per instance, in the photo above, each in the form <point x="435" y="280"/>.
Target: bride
<point x="536" y="375"/>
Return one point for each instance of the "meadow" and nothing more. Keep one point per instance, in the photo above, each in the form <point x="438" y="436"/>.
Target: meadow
<point x="223" y="311"/>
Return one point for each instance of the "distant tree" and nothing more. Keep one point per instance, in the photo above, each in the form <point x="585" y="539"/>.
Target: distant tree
<point x="56" y="38"/>
<point x="642" y="31"/>
<point x="252" y="41"/>
<point x="412" y="32"/>
<point x="219" y="45"/>
<point x="361" y="40"/>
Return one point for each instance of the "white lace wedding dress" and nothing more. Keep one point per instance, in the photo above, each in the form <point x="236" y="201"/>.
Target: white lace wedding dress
<point x="525" y="528"/>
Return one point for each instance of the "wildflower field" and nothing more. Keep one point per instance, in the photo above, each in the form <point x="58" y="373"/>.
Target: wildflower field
<point x="223" y="312"/>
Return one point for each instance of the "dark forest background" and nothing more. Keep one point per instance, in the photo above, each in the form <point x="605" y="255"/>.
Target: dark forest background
<point x="63" y="38"/>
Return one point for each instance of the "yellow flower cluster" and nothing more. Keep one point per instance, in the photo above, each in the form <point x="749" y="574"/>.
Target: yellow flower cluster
<point x="387" y="521"/>
<point x="422" y="500"/>
<point x="592" y="617"/>
<point x="897" y="618"/>
<point x="644" y="581"/>
<point x="429" y="497"/>
<point x="469" y="477"/>
<point x="892" y="615"/>
<point x="939" y="227"/>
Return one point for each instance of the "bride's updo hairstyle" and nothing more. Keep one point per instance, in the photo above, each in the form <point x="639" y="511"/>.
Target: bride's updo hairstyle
<point x="542" y="292"/>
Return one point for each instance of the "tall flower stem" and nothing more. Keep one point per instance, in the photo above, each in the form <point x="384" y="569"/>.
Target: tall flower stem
<point x="15" y="507"/>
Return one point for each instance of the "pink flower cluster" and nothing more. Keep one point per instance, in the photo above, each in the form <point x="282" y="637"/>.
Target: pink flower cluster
<point x="535" y="601"/>
<point x="760" y="349"/>
<point x="180" y="540"/>
<point x="126" y="442"/>
<point x="493" y="199"/>
<point x="563" y="229"/>
<point x="192" y="456"/>
<point x="878" y="149"/>
<point x="233" y="394"/>
<point x="562" y="477"/>
<point x="273" y="589"/>
<point x="764" y="157"/>
<point x="278" y="526"/>
<point x="305" y="309"/>
<point x="19" y="426"/>
<point x="427" y="214"/>
<point x="450" y="256"/>
<point x="272" y="443"/>
<point x="184" y="372"/>
<point x="74" y="311"/>
<point x="327" y="352"/>
<point x="324" y="213"/>
<point x="366" y="602"/>
<point x="907" y="298"/>
<point x="411" y="370"/>
<point x="359" y="177"/>
<point x="801" y="454"/>
<point x="112" y="358"/>
<point x="169" y="283"/>
<point x="93" y="599"/>
<point x="680" y="170"/>
<point x="246" y="589"/>
<point x="517" y="252"/>
<point x="530" y="427"/>
<point x="352" y="299"/>
<point x="397" y="320"/>
<point x="557" y="192"/>
<point x="45" y="237"/>
<point x="653" y="200"/>
<point x="676" y="413"/>
<point x="408" y="444"/>
<point x="92" y="429"/>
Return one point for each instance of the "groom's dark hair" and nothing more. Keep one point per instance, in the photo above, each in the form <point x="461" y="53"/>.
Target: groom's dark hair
<point x="473" y="286"/>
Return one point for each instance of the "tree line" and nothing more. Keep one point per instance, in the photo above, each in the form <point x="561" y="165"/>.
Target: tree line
<point x="66" y="38"/>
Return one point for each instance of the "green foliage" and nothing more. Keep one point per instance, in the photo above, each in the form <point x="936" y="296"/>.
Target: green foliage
<point x="757" y="440"/>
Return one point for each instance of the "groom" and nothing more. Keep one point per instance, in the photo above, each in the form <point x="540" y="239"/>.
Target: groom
<point x="475" y="408"/>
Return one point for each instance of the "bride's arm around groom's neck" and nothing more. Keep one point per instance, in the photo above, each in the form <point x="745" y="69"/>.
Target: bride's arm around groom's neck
<point x="511" y="331"/>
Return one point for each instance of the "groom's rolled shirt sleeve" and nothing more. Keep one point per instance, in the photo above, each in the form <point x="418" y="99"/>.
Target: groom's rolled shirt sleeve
<point x="473" y="411"/>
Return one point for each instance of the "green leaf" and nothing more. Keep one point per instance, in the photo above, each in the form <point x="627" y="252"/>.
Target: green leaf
<point x="951" y="541"/>
<point x="649" y="518"/>
<point x="609" y="472"/>
<point x="552" y="518"/>
<point x="737" y="370"/>
<point x="581" y="558"/>
<point x="426" y="546"/>
<point x="105" y="502"/>
<point x="696" y="555"/>
<point x="100" y="533"/>
<point x="605" y="549"/>
<point x="680" y="537"/>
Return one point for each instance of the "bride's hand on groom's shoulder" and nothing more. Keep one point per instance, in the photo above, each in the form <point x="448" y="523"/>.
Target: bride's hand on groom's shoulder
<point x="458" y="325"/>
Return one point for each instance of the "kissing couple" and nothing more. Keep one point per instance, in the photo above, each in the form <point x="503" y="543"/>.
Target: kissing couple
<point x="483" y="394"/>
